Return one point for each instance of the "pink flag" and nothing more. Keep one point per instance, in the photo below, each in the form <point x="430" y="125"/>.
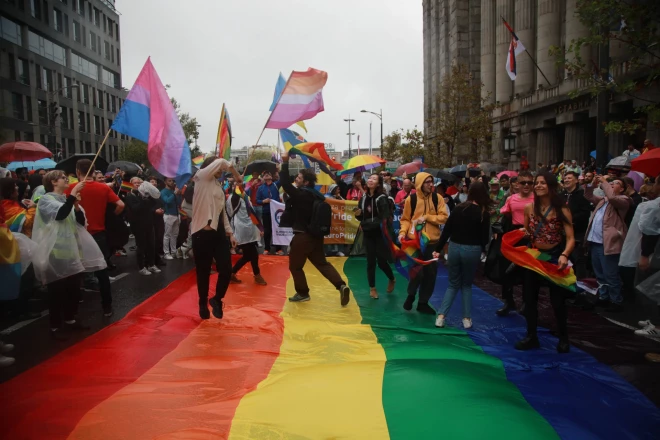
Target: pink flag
<point x="301" y="99"/>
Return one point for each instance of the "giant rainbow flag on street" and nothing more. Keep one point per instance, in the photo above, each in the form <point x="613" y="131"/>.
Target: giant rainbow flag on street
<point x="148" y="115"/>
<point x="223" y="141"/>
<point x="300" y="99"/>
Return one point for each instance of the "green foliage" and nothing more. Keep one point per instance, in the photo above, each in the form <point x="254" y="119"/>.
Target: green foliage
<point x="189" y="124"/>
<point x="461" y="121"/>
<point x="261" y="155"/>
<point x="135" y="151"/>
<point x="638" y="66"/>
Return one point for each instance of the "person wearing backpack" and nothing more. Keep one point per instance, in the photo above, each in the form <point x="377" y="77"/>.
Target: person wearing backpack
<point x="310" y="218"/>
<point x="373" y="210"/>
<point x="427" y="209"/>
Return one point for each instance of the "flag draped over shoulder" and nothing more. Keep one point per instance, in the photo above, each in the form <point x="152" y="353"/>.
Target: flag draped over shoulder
<point x="300" y="99"/>
<point x="148" y="115"/>
<point x="408" y="256"/>
<point x="248" y="206"/>
<point x="536" y="260"/>
<point x="516" y="47"/>
<point x="223" y="141"/>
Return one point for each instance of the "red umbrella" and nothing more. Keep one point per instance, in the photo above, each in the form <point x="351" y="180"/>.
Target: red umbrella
<point x="409" y="168"/>
<point x="23" y="151"/>
<point x="648" y="163"/>
<point x="508" y="173"/>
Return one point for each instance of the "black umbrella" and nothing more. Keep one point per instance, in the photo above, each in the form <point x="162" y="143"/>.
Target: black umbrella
<point x="441" y="174"/>
<point x="459" y="171"/>
<point x="128" y="167"/>
<point x="259" y="166"/>
<point x="68" y="165"/>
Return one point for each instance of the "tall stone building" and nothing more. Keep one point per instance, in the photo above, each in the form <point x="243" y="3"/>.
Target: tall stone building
<point x="60" y="74"/>
<point x="536" y="117"/>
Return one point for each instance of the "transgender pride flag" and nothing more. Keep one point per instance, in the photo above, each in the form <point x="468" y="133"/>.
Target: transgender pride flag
<point x="301" y="99"/>
<point x="148" y="115"/>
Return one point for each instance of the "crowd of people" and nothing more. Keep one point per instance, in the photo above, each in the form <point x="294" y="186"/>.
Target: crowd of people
<point x="571" y="214"/>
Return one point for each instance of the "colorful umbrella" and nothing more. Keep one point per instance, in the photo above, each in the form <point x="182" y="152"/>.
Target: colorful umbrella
<point x="362" y="162"/>
<point x="409" y="168"/>
<point x="45" y="163"/>
<point x="638" y="178"/>
<point x="648" y="163"/>
<point x="198" y="160"/>
<point x="508" y="173"/>
<point x="23" y="151"/>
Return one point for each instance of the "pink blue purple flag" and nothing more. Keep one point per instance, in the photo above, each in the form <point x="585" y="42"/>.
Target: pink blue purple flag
<point x="301" y="99"/>
<point x="148" y="115"/>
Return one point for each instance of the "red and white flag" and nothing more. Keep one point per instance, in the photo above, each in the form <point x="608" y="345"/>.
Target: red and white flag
<point x="516" y="47"/>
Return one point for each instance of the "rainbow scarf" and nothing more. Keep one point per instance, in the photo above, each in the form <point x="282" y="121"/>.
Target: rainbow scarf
<point x="15" y="215"/>
<point x="250" y="210"/>
<point x="536" y="260"/>
<point x="408" y="256"/>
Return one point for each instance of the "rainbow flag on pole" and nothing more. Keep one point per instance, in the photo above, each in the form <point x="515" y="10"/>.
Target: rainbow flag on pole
<point x="223" y="141"/>
<point x="301" y="99"/>
<point x="315" y="151"/>
<point x="148" y="115"/>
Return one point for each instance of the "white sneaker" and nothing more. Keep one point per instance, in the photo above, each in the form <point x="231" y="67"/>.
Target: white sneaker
<point x="144" y="271"/>
<point x="6" y="348"/>
<point x="185" y="255"/>
<point x="6" y="361"/>
<point x="467" y="323"/>
<point x="340" y="254"/>
<point x="650" y="330"/>
<point x="439" y="322"/>
<point x="168" y="257"/>
<point x="644" y="324"/>
<point x="154" y="269"/>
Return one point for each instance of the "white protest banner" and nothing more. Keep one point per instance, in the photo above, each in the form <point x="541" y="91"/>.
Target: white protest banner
<point x="281" y="236"/>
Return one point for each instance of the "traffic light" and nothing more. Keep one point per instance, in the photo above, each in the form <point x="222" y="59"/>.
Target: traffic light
<point x="54" y="111"/>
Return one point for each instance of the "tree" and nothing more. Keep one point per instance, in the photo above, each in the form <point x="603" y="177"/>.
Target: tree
<point x="189" y="124"/>
<point x="135" y="151"/>
<point x="461" y="125"/>
<point x="391" y="148"/>
<point x="635" y="25"/>
<point x="403" y="145"/>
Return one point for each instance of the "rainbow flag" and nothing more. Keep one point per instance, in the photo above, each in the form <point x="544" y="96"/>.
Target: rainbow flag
<point x="250" y="210"/>
<point x="536" y="260"/>
<point x="315" y="151"/>
<point x="223" y="141"/>
<point x="148" y="115"/>
<point x="273" y="369"/>
<point x="15" y="215"/>
<point x="10" y="261"/>
<point x="301" y="99"/>
<point x="126" y="187"/>
<point x="198" y="160"/>
<point x="408" y="256"/>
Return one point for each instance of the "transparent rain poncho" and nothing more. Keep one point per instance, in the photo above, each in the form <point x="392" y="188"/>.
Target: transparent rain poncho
<point x="65" y="247"/>
<point x="645" y="221"/>
<point x="147" y="189"/>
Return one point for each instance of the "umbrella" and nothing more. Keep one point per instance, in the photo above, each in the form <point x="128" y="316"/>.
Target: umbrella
<point x="459" y="171"/>
<point x="409" y="168"/>
<point x="23" y="151"/>
<point x="68" y="165"/>
<point x="638" y="178"/>
<point x="620" y="162"/>
<point x="363" y="162"/>
<point x="128" y="167"/>
<point x="593" y="154"/>
<point x="648" y="163"/>
<point x="45" y="163"/>
<point x="441" y="174"/>
<point x="259" y="166"/>
<point x="508" y="173"/>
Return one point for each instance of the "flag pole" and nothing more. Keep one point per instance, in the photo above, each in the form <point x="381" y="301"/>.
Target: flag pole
<point x="254" y="147"/>
<point x="97" y="154"/>
<point x="533" y="60"/>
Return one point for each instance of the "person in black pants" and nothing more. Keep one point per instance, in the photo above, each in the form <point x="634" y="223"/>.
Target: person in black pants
<point x="159" y="225"/>
<point x="374" y="212"/>
<point x="247" y="236"/>
<point x="212" y="236"/>
<point x="141" y="202"/>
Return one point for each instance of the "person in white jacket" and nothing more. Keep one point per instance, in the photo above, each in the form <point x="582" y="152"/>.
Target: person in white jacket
<point x="247" y="237"/>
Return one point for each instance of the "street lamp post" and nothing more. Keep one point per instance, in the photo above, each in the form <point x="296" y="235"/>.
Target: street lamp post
<point x="380" y="116"/>
<point x="55" y="115"/>
<point x="350" y="134"/>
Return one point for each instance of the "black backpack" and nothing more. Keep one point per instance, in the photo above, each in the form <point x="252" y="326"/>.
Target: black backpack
<point x="413" y="202"/>
<point x="321" y="220"/>
<point x="390" y="203"/>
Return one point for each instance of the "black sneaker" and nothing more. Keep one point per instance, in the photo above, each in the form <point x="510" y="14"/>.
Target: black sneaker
<point x="345" y="294"/>
<point x="504" y="311"/>
<point x="425" y="309"/>
<point x="216" y="307"/>
<point x="528" y="343"/>
<point x="107" y="311"/>
<point x="299" y="298"/>
<point x="204" y="309"/>
<point x="409" y="303"/>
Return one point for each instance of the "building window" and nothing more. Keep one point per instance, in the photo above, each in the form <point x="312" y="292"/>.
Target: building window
<point x="100" y="98"/>
<point x="66" y="87"/>
<point x="114" y="104"/>
<point x="46" y="76"/>
<point x="117" y="31"/>
<point x="87" y="68"/>
<point x="97" y="17"/>
<point x="28" y="108"/>
<point x="35" y="9"/>
<point x="10" y="31"/>
<point x="43" y="111"/>
<point x="46" y="48"/>
<point x="112" y="133"/>
<point x="29" y="137"/>
<point x="23" y="71"/>
<point x="107" y="51"/>
<point x="88" y="147"/>
<point x="12" y="67"/>
<point x="92" y="40"/>
<point x="76" y="31"/>
<point x="111" y="26"/>
<point x="87" y="124"/>
<point x="89" y="12"/>
<point x="81" y="121"/>
<point x="79" y="6"/>
<point x="98" y="44"/>
<point x="85" y="93"/>
<point x="17" y="104"/>
<point x="97" y="125"/>
<point x="44" y="8"/>
<point x="110" y="78"/>
<point x="118" y="59"/>
<point x="64" y="117"/>
<point x="71" y="146"/>
<point x="58" y="20"/>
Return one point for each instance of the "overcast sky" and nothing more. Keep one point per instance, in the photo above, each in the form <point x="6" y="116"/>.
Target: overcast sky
<point x="231" y="51"/>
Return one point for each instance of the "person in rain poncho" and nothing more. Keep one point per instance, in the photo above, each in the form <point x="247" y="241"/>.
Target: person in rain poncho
<point x="66" y="250"/>
<point x="141" y="203"/>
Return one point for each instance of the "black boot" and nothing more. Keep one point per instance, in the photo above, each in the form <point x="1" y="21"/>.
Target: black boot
<point x="563" y="346"/>
<point x="409" y="302"/>
<point x="204" y="308"/>
<point x="425" y="309"/>
<point x="216" y="307"/>
<point x="504" y="311"/>
<point x="528" y="343"/>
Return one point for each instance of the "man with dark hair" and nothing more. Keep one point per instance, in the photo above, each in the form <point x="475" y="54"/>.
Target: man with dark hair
<point x="305" y="246"/>
<point x="94" y="198"/>
<point x="267" y="192"/>
<point x="581" y="211"/>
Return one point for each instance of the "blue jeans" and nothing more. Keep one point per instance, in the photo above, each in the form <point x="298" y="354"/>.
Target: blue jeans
<point x="462" y="265"/>
<point x="606" y="268"/>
